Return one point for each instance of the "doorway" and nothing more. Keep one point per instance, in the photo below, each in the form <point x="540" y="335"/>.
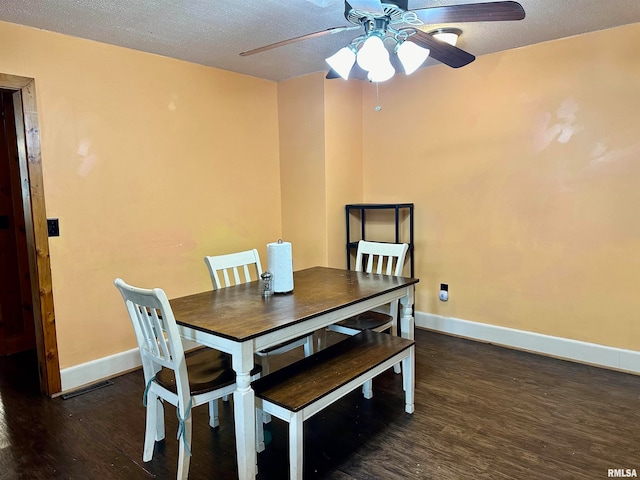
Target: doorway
<point x="32" y="323"/>
<point x="17" y="330"/>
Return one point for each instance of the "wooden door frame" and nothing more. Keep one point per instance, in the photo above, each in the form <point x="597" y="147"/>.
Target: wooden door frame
<point x="32" y="187"/>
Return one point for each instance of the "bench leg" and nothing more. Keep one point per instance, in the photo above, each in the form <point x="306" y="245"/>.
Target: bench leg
<point x="296" y="446"/>
<point x="408" y="380"/>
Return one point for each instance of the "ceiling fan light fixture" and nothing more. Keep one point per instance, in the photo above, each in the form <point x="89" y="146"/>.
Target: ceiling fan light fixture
<point x="382" y="72"/>
<point x="342" y="61"/>
<point x="447" y="35"/>
<point x="372" y="53"/>
<point x="411" y="56"/>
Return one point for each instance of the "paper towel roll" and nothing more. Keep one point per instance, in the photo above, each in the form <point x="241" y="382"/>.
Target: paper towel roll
<point x="280" y="261"/>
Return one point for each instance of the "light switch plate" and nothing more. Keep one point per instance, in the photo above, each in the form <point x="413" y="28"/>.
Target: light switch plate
<point x="53" y="227"/>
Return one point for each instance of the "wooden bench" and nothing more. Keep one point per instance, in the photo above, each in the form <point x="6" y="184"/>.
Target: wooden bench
<point x="302" y="389"/>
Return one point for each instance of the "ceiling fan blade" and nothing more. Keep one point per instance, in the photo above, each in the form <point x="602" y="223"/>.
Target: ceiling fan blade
<point x="442" y="51"/>
<point x="331" y="74"/>
<point x="367" y="6"/>
<point x="282" y="43"/>
<point x="472" y="12"/>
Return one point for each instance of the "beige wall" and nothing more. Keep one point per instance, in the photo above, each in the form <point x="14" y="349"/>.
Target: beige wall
<point x="302" y="168"/>
<point x="343" y="146"/>
<point x="321" y="165"/>
<point x="524" y="169"/>
<point x="149" y="163"/>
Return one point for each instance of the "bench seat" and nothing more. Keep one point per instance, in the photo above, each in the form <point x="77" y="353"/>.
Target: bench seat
<point x="302" y="389"/>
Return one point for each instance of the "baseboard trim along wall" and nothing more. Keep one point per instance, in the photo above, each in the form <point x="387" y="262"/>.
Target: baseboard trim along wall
<point x="567" y="349"/>
<point x="100" y="369"/>
<point x="582" y="352"/>
<point x="104" y="368"/>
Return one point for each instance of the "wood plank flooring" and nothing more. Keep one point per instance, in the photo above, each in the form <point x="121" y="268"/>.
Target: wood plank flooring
<point x="482" y="412"/>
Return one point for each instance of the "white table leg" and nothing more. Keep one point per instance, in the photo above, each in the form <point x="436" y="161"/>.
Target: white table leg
<point x="406" y="320"/>
<point x="244" y="412"/>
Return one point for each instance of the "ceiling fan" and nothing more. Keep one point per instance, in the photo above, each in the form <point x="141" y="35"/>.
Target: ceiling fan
<point x="391" y="21"/>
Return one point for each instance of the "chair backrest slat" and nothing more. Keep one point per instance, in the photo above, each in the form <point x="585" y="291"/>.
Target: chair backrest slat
<point x="387" y="257"/>
<point x="156" y="332"/>
<point x="381" y="257"/>
<point x="246" y="262"/>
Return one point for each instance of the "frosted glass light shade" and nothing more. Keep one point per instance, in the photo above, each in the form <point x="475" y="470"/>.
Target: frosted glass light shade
<point x="382" y="72"/>
<point x="449" y="37"/>
<point x="372" y="53"/>
<point x="342" y="61"/>
<point x="411" y="56"/>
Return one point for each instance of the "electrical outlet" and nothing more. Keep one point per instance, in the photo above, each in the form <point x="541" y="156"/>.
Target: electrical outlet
<point x="444" y="292"/>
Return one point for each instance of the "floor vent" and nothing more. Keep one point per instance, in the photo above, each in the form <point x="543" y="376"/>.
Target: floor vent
<point x="87" y="389"/>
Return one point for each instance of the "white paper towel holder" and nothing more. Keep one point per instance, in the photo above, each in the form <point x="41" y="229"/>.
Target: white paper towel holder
<point x="280" y="286"/>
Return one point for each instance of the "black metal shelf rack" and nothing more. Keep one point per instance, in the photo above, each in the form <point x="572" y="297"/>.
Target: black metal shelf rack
<point x="361" y="208"/>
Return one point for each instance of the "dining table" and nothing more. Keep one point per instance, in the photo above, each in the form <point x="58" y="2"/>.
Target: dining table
<point x="239" y="320"/>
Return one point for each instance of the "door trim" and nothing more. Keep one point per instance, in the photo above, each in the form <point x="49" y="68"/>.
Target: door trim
<point x="30" y="159"/>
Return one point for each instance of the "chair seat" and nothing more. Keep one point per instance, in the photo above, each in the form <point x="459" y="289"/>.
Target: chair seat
<point x="208" y="369"/>
<point x="369" y="320"/>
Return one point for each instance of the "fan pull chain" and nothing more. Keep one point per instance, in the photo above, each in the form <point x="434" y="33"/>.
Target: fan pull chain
<point x="378" y="107"/>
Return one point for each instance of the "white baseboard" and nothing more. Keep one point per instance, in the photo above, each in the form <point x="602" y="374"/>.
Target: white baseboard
<point x="574" y="350"/>
<point x="100" y="369"/>
<point x="106" y="367"/>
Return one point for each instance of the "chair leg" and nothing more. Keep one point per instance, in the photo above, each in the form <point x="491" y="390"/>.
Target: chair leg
<point x="151" y="427"/>
<point x="322" y="339"/>
<point x="160" y="420"/>
<point x="259" y="430"/>
<point x="183" y="455"/>
<point x="394" y="332"/>
<point x="308" y="345"/>
<point x="367" y="389"/>
<point x="214" y="421"/>
<point x="264" y="361"/>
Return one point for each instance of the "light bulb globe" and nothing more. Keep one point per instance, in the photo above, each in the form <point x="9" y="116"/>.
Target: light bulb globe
<point x="371" y="53"/>
<point x="342" y="61"/>
<point x="382" y="72"/>
<point x="411" y="56"/>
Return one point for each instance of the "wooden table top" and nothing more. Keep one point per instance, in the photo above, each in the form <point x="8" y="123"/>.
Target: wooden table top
<point x="241" y="313"/>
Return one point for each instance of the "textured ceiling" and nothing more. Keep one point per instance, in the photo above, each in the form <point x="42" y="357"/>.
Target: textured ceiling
<point x="214" y="32"/>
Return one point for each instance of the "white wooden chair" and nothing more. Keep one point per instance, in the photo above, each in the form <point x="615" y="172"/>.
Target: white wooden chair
<point x="242" y="267"/>
<point x="380" y="258"/>
<point x="201" y="377"/>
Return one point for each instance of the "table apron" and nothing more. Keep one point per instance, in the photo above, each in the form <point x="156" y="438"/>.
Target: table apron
<point x="209" y="340"/>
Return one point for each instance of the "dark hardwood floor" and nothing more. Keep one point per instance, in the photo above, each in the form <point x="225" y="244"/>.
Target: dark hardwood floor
<point x="482" y="412"/>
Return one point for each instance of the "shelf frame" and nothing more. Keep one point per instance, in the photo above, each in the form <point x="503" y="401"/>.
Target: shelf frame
<point x="362" y="208"/>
